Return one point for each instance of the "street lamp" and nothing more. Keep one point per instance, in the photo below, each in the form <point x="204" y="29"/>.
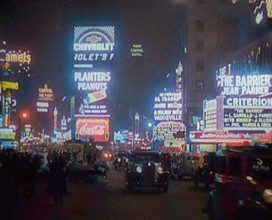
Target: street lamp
<point x="23" y="116"/>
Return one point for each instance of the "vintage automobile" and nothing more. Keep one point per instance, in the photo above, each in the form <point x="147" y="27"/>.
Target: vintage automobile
<point x="205" y="174"/>
<point x="185" y="165"/>
<point x="145" y="170"/>
<point x="243" y="184"/>
<point x="120" y="160"/>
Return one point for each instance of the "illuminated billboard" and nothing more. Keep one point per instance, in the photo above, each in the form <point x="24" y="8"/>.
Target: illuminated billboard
<point x="13" y="61"/>
<point x="93" y="51"/>
<point x="247" y="104"/>
<point x="95" y="43"/>
<point x="172" y="133"/>
<point x="210" y="115"/>
<point x="98" y="128"/>
<point x="45" y="96"/>
<point x="168" y="107"/>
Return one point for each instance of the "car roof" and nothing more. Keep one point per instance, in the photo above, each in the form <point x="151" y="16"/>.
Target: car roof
<point x="145" y="152"/>
<point x="255" y="150"/>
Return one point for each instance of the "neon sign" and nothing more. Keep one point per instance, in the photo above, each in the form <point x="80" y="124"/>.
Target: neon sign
<point x="93" y="44"/>
<point x="92" y="81"/>
<point x="244" y="85"/>
<point x="97" y="128"/>
<point x="165" y="131"/>
<point x="137" y="50"/>
<point x="210" y="115"/>
<point x="168" y="107"/>
<point x="46" y="94"/>
<point x="18" y="57"/>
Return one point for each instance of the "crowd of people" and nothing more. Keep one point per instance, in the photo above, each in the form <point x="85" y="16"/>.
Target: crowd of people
<point x="22" y="172"/>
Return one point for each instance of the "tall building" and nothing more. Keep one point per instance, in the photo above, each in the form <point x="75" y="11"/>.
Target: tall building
<point x="212" y="29"/>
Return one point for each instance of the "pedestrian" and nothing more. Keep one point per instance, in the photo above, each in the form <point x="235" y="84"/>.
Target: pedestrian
<point x="57" y="184"/>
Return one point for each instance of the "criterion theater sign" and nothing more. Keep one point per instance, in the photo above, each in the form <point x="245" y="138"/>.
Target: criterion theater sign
<point x="247" y="104"/>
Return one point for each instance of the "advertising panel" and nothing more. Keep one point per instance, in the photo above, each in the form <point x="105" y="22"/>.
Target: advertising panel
<point x="94" y="43"/>
<point x="93" y="51"/>
<point x="98" y="128"/>
<point x="168" y="107"/>
<point x="172" y="133"/>
<point x="45" y="96"/>
<point x="7" y="134"/>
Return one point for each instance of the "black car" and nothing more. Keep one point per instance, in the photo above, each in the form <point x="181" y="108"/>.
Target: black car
<point x="243" y="184"/>
<point x="120" y="160"/>
<point x="145" y="170"/>
<point x="205" y="174"/>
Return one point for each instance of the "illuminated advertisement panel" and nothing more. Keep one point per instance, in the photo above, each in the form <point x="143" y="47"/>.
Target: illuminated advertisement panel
<point x="247" y="100"/>
<point x="95" y="43"/>
<point x="210" y="115"/>
<point x="172" y="133"/>
<point x="168" y="107"/>
<point x="93" y="47"/>
<point x="46" y="94"/>
<point x="98" y="128"/>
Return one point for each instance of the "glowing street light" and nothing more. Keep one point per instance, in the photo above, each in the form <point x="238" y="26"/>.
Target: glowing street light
<point x="149" y="124"/>
<point x="23" y="116"/>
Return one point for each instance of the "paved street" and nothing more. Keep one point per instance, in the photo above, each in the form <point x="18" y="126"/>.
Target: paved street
<point x="109" y="200"/>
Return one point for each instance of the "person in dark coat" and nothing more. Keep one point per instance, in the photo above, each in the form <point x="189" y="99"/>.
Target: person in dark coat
<point x="57" y="184"/>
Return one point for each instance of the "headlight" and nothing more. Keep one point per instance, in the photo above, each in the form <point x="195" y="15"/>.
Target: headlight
<point x="160" y="170"/>
<point x="267" y="195"/>
<point x="139" y="169"/>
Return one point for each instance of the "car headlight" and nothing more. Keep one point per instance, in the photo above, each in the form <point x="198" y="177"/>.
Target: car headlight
<point x="160" y="170"/>
<point x="267" y="195"/>
<point x="139" y="169"/>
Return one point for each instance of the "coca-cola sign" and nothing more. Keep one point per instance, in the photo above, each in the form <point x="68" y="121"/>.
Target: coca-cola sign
<point x="98" y="128"/>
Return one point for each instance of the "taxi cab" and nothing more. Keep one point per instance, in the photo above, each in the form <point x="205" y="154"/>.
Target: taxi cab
<point x="243" y="179"/>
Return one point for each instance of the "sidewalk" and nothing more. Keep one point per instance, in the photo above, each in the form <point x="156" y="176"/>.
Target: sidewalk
<point x="81" y="199"/>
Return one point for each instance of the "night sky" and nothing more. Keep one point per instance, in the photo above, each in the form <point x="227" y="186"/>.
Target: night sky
<point x="45" y="27"/>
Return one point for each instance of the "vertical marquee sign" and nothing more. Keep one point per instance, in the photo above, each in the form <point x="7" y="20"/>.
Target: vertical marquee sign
<point x="93" y="53"/>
